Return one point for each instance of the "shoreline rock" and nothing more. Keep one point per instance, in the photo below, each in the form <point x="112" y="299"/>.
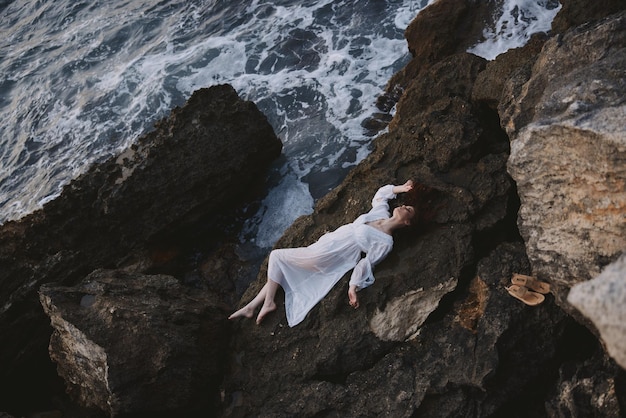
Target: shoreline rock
<point x="603" y="300"/>
<point x="201" y="161"/>
<point x="128" y="342"/>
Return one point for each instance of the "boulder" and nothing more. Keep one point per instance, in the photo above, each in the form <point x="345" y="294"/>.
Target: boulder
<point x="579" y="12"/>
<point x="130" y="343"/>
<point x="568" y="154"/>
<point x="200" y="161"/>
<point x="603" y="301"/>
<point x="444" y="28"/>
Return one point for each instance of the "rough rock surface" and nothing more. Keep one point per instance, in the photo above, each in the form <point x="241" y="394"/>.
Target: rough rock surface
<point x="446" y="27"/>
<point x="196" y="162"/>
<point x="490" y="83"/>
<point x="568" y="154"/>
<point x="603" y="300"/>
<point x="342" y="362"/>
<point x="580" y="12"/>
<point x="130" y="342"/>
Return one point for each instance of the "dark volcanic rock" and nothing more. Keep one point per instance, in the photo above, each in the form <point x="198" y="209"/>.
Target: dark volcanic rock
<point x="137" y="343"/>
<point x="578" y="12"/>
<point x="195" y="163"/>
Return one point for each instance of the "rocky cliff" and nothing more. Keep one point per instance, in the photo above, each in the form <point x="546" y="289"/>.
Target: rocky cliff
<point x="568" y="153"/>
<point x="520" y="163"/>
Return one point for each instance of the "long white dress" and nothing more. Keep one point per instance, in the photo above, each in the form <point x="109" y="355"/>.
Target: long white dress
<point x="308" y="273"/>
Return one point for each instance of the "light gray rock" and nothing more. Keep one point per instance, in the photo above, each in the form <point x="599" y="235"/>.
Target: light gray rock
<point x="568" y="154"/>
<point x="404" y="315"/>
<point x="603" y="301"/>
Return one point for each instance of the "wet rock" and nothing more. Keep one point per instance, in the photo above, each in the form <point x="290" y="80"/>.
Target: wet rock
<point x="568" y="155"/>
<point x="490" y="83"/>
<point x="445" y="28"/>
<point x="129" y="343"/>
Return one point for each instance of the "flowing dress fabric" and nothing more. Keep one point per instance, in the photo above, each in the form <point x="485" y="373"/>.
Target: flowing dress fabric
<point x="308" y="273"/>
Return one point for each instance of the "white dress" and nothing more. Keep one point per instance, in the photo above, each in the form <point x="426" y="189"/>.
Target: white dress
<point x="308" y="273"/>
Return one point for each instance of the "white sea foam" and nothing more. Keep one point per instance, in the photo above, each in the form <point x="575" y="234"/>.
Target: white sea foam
<point x="408" y="11"/>
<point x="281" y="207"/>
<point x="519" y="19"/>
<point x="316" y="109"/>
<point x="79" y="81"/>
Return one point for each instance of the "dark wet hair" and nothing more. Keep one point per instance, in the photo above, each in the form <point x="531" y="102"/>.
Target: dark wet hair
<point x="424" y="199"/>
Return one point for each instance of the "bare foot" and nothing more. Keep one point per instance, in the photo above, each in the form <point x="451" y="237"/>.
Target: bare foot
<point x="246" y="311"/>
<point x="267" y="308"/>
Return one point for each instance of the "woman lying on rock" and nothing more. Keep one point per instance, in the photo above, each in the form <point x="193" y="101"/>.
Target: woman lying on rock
<point x="308" y="273"/>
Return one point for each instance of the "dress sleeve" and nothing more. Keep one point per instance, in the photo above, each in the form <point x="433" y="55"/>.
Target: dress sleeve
<point x="363" y="273"/>
<point x="383" y="195"/>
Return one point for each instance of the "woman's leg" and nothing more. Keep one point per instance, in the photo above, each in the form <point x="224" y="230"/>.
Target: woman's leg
<point x="268" y="302"/>
<point x="266" y="295"/>
<point x="248" y="310"/>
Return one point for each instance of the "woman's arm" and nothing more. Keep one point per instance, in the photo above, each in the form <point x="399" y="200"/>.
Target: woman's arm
<point x="389" y="192"/>
<point x="352" y="296"/>
<point x="363" y="274"/>
<point x="406" y="187"/>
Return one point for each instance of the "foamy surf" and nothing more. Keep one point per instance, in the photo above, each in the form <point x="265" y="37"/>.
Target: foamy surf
<point x="518" y="20"/>
<point x="82" y="81"/>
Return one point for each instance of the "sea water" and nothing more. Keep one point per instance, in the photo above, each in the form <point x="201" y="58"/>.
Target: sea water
<point x="80" y="81"/>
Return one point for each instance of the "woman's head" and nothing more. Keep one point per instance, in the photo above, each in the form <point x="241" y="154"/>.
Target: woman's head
<point x="424" y="201"/>
<point x="404" y="213"/>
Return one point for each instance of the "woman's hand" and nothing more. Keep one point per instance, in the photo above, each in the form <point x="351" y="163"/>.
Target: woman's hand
<point x="354" y="299"/>
<point x="408" y="186"/>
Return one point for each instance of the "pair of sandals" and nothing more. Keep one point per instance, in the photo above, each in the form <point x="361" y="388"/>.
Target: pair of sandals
<point x="528" y="289"/>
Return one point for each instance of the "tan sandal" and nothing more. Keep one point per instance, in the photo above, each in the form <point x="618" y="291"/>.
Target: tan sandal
<point x="531" y="283"/>
<point x="527" y="296"/>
